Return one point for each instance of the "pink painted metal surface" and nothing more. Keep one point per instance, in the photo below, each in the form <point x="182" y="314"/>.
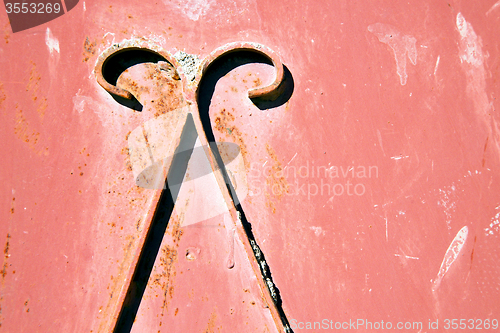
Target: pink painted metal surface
<point x="372" y="190"/>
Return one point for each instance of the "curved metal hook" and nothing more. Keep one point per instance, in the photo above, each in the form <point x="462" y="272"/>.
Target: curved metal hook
<point x="263" y="92"/>
<point x="106" y="59"/>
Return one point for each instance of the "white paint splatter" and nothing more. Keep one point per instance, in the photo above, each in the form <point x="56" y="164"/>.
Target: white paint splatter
<point x="194" y="9"/>
<point x="51" y="42"/>
<point x="317" y="231"/>
<point x="471" y="48"/>
<point x="81" y="102"/>
<point x="473" y="59"/>
<point x="451" y="255"/>
<point x="448" y="202"/>
<point x="399" y="157"/>
<point x="400" y="44"/>
<point x="494" y="226"/>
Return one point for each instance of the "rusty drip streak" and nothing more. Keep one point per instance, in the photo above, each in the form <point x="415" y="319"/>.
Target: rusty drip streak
<point x="150" y="152"/>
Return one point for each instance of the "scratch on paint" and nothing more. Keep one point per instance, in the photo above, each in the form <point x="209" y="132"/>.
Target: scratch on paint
<point x="437" y="64"/>
<point x="400" y="44"/>
<point x="386" y="230"/>
<point x="495" y="6"/>
<point x="407" y="257"/>
<point x="291" y="159"/>
<point x="399" y="157"/>
<point x="450" y="256"/>
<point x="379" y="136"/>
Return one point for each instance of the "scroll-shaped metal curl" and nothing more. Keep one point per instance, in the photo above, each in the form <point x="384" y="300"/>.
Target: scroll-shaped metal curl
<point x="205" y="88"/>
<point x="110" y="64"/>
<point x="269" y="92"/>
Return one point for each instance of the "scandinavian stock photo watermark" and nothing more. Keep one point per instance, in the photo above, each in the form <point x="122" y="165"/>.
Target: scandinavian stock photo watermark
<point x="310" y="180"/>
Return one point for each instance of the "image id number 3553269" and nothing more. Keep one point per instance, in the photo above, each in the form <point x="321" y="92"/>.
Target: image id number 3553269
<point x="33" y="8"/>
<point x="470" y="324"/>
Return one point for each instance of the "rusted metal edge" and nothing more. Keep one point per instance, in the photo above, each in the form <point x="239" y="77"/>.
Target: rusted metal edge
<point x="261" y="92"/>
<point x="114" y="307"/>
<point x="279" y="318"/>
<point x="124" y="46"/>
<point x="254" y="254"/>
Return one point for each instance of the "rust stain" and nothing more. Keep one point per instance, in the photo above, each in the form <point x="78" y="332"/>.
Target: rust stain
<point x="34" y="87"/>
<point x="257" y="82"/>
<point x="212" y="323"/>
<point x="1" y="317"/>
<point x="24" y="132"/>
<point x="276" y="182"/>
<point x="168" y="87"/>
<point x="472" y="253"/>
<point x="13" y="205"/>
<point x="484" y="151"/>
<point x="89" y="49"/>
<point x="22" y="128"/>
<point x="125" y="151"/>
<point x="223" y="124"/>
<point x="159" y="88"/>
<point x="6" y="28"/>
<point x="6" y="256"/>
<point x="169" y="257"/>
<point x="115" y="284"/>
<point x="2" y="97"/>
<point x="164" y="279"/>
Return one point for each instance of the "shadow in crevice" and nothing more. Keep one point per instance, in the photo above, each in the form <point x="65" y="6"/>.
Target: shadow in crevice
<point x="158" y="228"/>
<point x="132" y="103"/>
<point x="117" y="63"/>
<point x="219" y="68"/>
<point x="285" y="93"/>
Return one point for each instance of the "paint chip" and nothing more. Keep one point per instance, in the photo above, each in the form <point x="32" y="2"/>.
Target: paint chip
<point x="51" y="42"/>
<point x="451" y="255"/>
<point x="400" y="44"/>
